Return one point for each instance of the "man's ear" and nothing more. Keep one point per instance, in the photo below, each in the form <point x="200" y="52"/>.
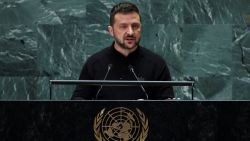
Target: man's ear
<point x="111" y="31"/>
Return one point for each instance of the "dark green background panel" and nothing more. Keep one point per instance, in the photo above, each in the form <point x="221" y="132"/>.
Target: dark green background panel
<point x="202" y="40"/>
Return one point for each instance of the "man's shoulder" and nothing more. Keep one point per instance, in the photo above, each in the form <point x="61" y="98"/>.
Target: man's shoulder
<point x="100" y="55"/>
<point x="152" y="56"/>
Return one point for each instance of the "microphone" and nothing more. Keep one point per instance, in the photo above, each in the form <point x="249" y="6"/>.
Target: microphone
<point x="108" y="70"/>
<point x="132" y="70"/>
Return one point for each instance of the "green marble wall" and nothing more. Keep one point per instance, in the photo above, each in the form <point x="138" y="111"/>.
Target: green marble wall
<point x="203" y="40"/>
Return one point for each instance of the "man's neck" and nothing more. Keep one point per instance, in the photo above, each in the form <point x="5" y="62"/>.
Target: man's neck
<point x="123" y="51"/>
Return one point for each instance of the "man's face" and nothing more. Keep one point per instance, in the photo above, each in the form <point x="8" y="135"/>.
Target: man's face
<point x="126" y="30"/>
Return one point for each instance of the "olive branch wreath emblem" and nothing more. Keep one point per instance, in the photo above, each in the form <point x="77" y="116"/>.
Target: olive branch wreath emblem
<point x="98" y="121"/>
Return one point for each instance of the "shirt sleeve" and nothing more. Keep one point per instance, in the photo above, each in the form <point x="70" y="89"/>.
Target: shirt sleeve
<point x="84" y="92"/>
<point x="163" y="92"/>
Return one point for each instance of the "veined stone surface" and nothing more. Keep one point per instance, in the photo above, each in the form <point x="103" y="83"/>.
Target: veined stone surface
<point x="202" y="40"/>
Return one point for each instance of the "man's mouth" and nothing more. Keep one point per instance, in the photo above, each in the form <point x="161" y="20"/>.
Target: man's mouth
<point x="130" y="39"/>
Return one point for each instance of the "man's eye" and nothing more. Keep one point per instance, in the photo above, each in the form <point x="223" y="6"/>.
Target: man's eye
<point x="123" y="26"/>
<point x="135" y="26"/>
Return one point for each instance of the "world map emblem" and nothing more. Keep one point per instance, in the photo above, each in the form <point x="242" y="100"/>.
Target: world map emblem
<point x="120" y="124"/>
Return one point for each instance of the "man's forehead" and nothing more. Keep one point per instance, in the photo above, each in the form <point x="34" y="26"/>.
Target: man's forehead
<point x="123" y="17"/>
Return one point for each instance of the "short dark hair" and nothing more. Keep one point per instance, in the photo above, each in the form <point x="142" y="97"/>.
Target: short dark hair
<point x="123" y="7"/>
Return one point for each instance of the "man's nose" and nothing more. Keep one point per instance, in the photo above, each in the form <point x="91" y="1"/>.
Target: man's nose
<point x="130" y="30"/>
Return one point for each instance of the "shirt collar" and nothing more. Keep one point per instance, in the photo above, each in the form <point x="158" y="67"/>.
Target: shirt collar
<point x="131" y="55"/>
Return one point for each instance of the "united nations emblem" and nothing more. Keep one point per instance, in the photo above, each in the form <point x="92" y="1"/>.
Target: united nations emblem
<point x="120" y="124"/>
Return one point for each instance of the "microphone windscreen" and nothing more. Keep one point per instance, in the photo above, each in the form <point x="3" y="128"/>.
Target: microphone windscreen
<point x="130" y="67"/>
<point x="110" y="66"/>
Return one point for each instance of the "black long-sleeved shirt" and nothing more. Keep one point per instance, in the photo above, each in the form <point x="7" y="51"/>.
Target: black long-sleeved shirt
<point x="147" y="66"/>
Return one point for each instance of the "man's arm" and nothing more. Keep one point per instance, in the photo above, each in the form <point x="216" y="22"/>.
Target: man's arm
<point x="84" y="92"/>
<point x="164" y="92"/>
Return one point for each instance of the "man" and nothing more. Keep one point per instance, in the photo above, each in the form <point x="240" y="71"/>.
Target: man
<point x="125" y="59"/>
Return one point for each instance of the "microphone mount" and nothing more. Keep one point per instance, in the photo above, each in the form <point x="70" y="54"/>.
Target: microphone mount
<point x="105" y="77"/>
<point x="131" y="68"/>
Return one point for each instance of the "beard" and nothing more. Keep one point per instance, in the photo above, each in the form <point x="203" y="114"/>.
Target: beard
<point x="123" y="45"/>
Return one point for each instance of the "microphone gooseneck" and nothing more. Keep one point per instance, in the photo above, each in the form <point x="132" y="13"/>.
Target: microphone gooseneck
<point x="105" y="77"/>
<point x="131" y="68"/>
